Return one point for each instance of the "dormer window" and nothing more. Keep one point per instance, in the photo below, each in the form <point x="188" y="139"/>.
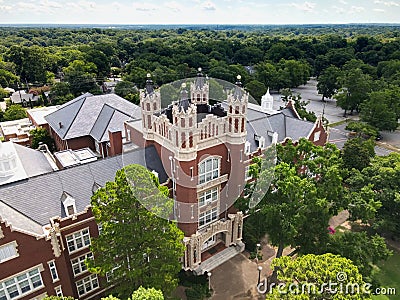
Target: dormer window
<point x="69" y="204"/>
<point x="247" y="148"/>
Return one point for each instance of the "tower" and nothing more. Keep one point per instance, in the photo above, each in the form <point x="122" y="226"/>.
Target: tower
<point x="150" y="102"/>
<point x="237" y="110"/>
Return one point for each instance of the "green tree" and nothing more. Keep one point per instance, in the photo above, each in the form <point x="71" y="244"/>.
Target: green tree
<point x="147" y="294"/>
<point x="136" y="248"/>
<point x="363" y="250"/>
<point x="81" y="76"/>
<point x="357" y="153"/>
<point x="362" y="129"/>
<point x="308" y="273"/>
<point x="328" y="82"/>
<point x="60" y="93"/>
<point x="305" y="192"/>
<point x="14" y="112"/>
<point x="382" y="109"/>
<point x="127" y="90"/>
<point x="256" y="89"/>
<point x="355" y="87"/>
<point x="40" y="135"/>
<point x="383" y="178"/>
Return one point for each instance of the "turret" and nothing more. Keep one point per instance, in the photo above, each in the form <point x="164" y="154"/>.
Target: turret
<point x="184" y="118"/>
<point x="237" y="110"/>
<point x="199" y="90"/>
<point x="150" y="102"/>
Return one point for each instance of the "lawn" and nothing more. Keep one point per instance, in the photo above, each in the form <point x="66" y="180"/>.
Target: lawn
<point x="390" y="276"/>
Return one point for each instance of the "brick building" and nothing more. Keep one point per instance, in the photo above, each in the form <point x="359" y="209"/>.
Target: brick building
<point x="200" y="151"/>
<point x="206" y="150"/>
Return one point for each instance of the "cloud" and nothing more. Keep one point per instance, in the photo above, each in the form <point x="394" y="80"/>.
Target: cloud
<point x="343" y="2"/>
<point x="208" y="5"/>
<point x="306" y="6"/>
<point x="387" y="3"/>
<point x="81" y="5"/>
<point x="379" y="10"/>
<point x="145" y="6"/>
<point x="174" y="6"/>
<point x="338" y="10"/>
<point x="356" y="9"/>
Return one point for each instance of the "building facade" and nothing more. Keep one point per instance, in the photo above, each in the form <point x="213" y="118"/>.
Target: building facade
<point x="205" y="150"/>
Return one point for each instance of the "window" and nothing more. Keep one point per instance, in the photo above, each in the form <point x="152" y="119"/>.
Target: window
<point x="317" y="136"/>
<point x="261" y="142"/>
<point x="69" y="204"/>
<point x="8" y="251"/>
<point x="208" y="216"/>
<point x="20" y="285"/>
<point x="78" y="240"/>
<point x="208" y="170"/>
<point x="208" y="196"/>
<point x="247" y="147"/>
<point x="87" y="284"/>
<point x="53" y="270"/>
<point x="247" y="175"/>
<point x="58" y="291"/>
<point x="78" y="264"/>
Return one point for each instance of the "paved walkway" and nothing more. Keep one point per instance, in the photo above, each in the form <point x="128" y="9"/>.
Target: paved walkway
<point x="237" y="278"/>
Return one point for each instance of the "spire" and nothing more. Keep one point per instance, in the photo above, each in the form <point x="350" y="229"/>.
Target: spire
<point x="267" y="102"/>
<point x="238" y="93"/>
<point x="149" y="85"/>
<point x="199" y="83"/>
<point x="184" y="99"/>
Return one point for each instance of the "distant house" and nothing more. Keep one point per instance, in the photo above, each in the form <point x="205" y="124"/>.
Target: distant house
<point x="88" y="121"/>
<point x="108" y="87"/>
<point x="21" y="97"/>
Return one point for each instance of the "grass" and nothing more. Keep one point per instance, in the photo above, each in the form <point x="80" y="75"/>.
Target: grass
<point x="390" y="276"/>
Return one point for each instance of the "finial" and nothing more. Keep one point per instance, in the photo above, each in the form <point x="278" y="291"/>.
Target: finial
<point x="199" y="69"/>
<point x="184" y="85"/>
<point x="148" y="75"/>
<point x="238" y="82"/>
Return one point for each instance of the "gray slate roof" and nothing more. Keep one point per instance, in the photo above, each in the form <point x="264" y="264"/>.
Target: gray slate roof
<point x="87" y="115"/>
<point x="284" y="123"/>
<point x="39" y="198"/>
<point x="33" y="161"/>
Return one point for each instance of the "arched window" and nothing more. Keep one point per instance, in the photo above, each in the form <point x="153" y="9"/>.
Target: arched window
<point x="209" y="169"/>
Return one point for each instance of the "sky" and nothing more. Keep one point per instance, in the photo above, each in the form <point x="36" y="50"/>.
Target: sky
<point x="198" y="11"/>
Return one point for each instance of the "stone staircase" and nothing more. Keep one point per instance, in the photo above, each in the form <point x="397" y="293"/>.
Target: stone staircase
<point x="219" y="258"/>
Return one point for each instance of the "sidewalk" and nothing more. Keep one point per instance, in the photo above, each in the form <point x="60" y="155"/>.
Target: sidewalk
<point x="238" y="277"/>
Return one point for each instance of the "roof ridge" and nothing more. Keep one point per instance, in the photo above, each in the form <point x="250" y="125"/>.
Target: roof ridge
<point x="13" y="208"/>
<point x="76" y="115"/>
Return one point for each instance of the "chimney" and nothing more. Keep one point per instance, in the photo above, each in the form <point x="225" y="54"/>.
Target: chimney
<point x="115" y="137"/>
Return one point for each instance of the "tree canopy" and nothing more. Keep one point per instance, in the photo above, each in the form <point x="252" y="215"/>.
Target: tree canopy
<point x="319" y="277"/>
<point x="135" y="248"/>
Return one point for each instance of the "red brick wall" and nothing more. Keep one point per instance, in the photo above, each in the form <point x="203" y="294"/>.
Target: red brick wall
<point x="32" y="252"/>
